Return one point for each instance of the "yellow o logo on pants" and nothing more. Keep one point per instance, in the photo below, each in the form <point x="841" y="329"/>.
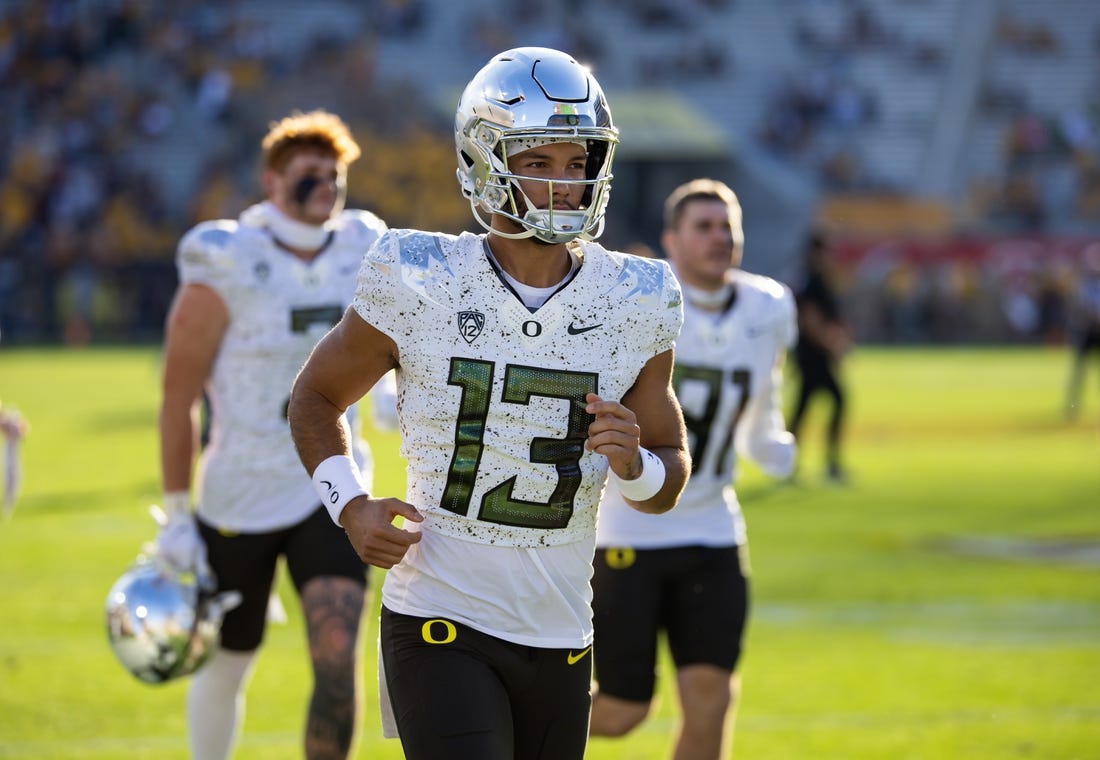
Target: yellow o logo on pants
<point x="450" y="632"/>
<point x="619" y="558"/>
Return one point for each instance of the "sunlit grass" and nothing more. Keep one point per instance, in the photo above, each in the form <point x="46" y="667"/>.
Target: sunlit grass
<point x="884" y="623"/>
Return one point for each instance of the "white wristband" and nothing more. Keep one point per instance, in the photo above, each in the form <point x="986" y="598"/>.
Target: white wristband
<point x="646" y="485"/>
<point x="177" y="501"/>
<point x="338" y="481"/>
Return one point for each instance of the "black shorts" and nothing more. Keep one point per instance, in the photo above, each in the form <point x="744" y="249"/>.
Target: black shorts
<point x="460" y="693"/>
<point x="246" y="562"/>
<point x="699" y="596"/>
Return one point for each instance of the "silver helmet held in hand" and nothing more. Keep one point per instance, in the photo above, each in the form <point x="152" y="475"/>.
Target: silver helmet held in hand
<point x="522" y="97"/>
<point x="162" y="624"/>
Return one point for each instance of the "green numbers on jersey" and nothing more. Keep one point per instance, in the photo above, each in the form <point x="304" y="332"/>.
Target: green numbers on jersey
<point x="323" y="317"/>
<point x="521" y="384"/>
<point x="304" y="319"/>
<point x="707" y="425"/>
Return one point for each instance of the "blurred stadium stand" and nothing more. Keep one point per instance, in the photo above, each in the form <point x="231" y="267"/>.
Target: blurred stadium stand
<point x="951" y="146"/>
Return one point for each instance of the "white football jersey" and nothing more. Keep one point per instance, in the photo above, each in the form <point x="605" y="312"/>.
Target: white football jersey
<point x="249" y="477"/>
<point x="491" y="402"/>
<point x="727" y="383"/>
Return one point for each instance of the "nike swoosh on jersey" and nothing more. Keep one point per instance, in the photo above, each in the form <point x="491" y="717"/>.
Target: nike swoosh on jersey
<point x="573" y="659"/>
<point x="574" y="330"/>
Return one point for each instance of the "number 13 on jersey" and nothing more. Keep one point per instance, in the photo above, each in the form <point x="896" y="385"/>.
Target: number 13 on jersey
<point x="521" y="384"/>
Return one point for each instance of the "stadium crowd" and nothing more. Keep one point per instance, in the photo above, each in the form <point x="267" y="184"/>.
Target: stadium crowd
<point x="125" y="120"/>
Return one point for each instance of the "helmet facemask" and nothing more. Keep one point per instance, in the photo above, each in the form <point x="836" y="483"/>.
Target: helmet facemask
<point x="503" y="195"/>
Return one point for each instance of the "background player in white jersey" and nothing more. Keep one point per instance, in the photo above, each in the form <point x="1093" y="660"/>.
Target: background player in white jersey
<point x="255" y="295"/>
<point x="530" y="361"/>
<point x="686" y="572"/>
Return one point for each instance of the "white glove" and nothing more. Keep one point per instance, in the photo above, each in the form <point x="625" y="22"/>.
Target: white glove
<point x="178" y="543"/>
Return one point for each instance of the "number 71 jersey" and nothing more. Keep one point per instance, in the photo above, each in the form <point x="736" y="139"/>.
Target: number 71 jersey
<point x="491" y="395"/>
<point x="727" y="381"/>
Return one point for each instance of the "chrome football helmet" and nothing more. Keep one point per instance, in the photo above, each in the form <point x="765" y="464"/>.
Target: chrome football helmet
<point x="529" y="96"/>
<point x="162" y="624"/>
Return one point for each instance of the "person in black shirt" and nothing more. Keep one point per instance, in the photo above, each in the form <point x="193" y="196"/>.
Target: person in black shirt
<point x="1084" y="326"/>
<point x="823" y="340"/>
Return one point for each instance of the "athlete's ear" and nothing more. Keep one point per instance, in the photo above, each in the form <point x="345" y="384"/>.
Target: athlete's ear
<point x="668" y="243"/>
<point x="269" y="179"/>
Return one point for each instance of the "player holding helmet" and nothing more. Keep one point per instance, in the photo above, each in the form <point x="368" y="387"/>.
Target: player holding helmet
<point x="530" y="363"/>
<point x="256" y="294"/>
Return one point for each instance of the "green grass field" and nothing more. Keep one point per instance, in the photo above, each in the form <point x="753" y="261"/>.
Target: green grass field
<point x="944" y="604"/>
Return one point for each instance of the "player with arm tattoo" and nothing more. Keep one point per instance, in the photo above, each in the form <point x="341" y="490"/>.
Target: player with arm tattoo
<point x="256" y="293"/>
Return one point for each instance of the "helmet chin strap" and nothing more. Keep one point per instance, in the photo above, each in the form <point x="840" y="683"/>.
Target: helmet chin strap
<point x="479" y="213"/>
<point x="543" y="224"/>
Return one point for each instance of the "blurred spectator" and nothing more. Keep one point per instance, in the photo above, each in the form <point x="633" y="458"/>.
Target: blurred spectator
<point x="952" y="302"/>
<point x="906" y="294"/>
<point x="641" y="248"/>
<point x="400" y="18"/>
<point x="12" y="429"/>
<point x="824" y="338"/>
<point x="1088" y="187"/>
<point x="1051" y="300"/>
<point x="1028" y="36"/>
<point x="1021" y="308"/>
<point x="1084" y="326"/>
<point x="125" y="115"/>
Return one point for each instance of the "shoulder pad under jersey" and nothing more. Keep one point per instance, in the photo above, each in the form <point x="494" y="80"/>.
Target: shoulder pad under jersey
<point x="205" y="252"/>
<point x="362" y="223"/>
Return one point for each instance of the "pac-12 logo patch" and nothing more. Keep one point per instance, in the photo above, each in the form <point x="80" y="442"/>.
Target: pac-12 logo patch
<point x="470" y="324"/>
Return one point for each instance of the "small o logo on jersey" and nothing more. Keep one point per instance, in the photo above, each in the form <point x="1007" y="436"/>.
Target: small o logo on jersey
<point x="470" y="324"/>
<point x="532" y="329"/>
<point x="619" y="557"/>
<point x="427" y="632"/>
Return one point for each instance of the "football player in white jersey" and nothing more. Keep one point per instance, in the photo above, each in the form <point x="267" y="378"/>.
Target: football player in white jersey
<point x="530" y="362"/>
<point x="256" y="293"/>
<point x="685" y="573"/>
